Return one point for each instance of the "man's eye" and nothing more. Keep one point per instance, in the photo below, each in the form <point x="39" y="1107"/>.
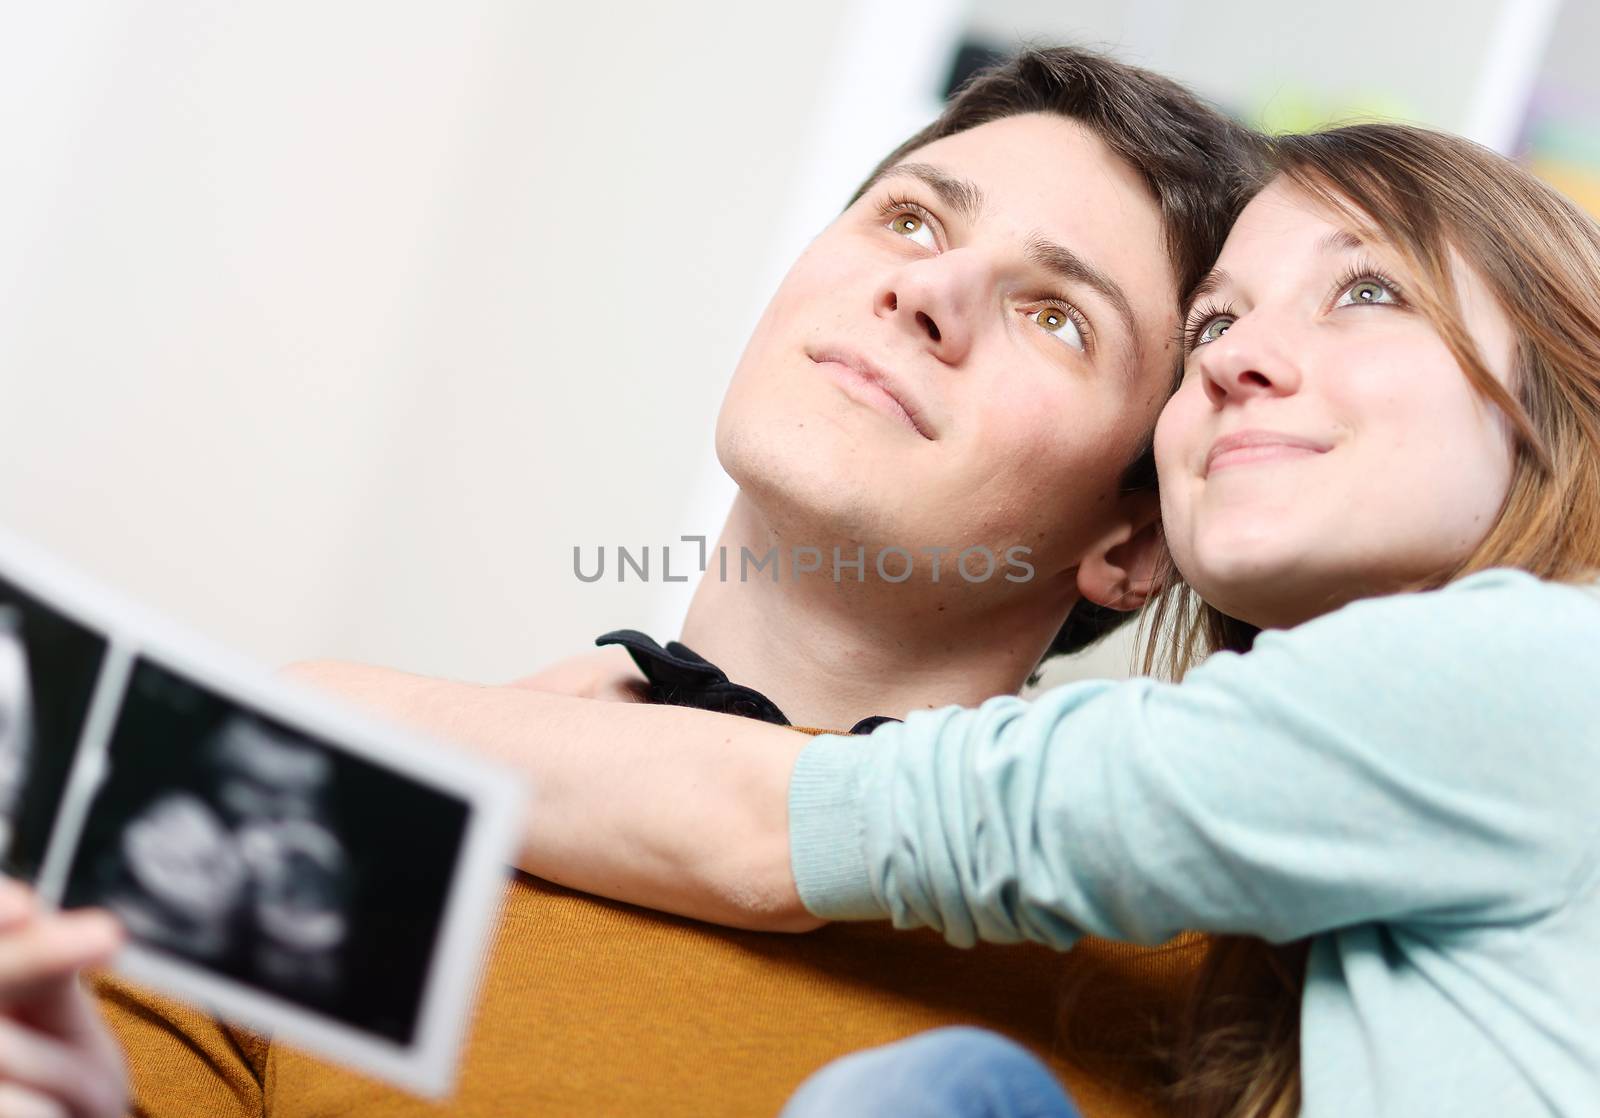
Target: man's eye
<point x="1055" y="320"/>
<point x="914" y="229"/>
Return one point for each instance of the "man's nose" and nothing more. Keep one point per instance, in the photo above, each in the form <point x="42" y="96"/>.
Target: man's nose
<point x="934" y="301"/>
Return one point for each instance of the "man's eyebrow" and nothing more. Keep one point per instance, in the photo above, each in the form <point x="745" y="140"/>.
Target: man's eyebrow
<point x="959" y="194"/>
<point x="1068" y="265"/>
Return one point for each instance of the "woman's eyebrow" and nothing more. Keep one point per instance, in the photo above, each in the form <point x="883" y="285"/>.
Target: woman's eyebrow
<point x="1340" y="240"/>
<point x="1212" y="282"/>
<point x="960" y="195"/>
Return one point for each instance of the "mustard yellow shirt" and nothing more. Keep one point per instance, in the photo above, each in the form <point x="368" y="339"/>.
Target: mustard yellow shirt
<point x="598" y="1009"/>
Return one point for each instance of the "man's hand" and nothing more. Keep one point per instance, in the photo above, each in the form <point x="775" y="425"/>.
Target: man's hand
<point x="606" y="673"/>
<point x="57" y="1059"/>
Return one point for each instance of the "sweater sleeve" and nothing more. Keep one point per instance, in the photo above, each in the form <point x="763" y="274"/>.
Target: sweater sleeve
<point x="1425" y="758"/>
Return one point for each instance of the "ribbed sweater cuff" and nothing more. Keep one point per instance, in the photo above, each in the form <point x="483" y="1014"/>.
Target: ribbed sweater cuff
<point x="827" y="831"/>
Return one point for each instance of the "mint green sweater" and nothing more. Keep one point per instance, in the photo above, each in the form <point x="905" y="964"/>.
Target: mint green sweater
<point x="1413" y="782"/>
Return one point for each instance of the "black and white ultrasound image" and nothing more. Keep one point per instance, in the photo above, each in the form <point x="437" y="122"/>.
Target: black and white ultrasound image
<point x="233" y="841"/>
<point x="48" y="668"/>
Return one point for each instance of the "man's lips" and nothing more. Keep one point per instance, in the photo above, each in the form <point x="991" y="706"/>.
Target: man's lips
<point x="873" y="386"/>
<point x="1244" y="447"/>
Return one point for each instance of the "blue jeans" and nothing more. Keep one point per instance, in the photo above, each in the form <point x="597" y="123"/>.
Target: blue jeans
<point x="947" y="1073"/>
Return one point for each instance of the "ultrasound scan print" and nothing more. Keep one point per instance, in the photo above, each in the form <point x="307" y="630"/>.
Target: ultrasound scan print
<point x="244" y="865"/>
<point x="49" y="665"/>
<point x="16" y="722"/>
<point x="275" y="858"/>
<point x="230" y="840"/>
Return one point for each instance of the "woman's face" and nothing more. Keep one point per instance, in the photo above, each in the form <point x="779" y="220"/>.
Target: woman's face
<point x="1325" y="445"/>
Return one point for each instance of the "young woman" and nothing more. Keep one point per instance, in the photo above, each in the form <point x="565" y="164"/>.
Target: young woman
<point x="1381" y="477"/>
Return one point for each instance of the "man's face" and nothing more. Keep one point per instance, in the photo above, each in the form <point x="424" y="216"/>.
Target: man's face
<point x="971" y="354"/>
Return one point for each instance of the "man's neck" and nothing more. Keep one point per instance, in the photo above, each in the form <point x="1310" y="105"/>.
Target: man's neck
<point x="830" y="653"/>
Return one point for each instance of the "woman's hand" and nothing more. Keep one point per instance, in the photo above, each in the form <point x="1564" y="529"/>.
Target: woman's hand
<point x="57" y="1059"/>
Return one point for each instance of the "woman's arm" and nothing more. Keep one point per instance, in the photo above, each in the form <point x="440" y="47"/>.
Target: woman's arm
<point x="604" y="673"/>
<point x="674" y="809"/>
<point x="1423" y="757"/>
<point x="1427" y="759"/>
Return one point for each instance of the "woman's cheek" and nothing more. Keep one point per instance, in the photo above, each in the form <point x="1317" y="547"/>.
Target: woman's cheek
<point x="1173" y="429"/>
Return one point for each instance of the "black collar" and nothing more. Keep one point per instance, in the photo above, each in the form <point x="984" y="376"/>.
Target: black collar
<point x="681" y="677"/>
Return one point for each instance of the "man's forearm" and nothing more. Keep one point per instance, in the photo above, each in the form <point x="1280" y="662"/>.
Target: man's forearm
<point x="675" y="809"/>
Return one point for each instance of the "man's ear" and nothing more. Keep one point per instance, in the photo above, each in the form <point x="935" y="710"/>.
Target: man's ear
<point x="1119" y="569"/>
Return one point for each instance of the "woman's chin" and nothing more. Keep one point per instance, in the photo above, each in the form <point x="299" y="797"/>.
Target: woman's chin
<point x="1237" y="551"/>
<point x="1266" y="586"/>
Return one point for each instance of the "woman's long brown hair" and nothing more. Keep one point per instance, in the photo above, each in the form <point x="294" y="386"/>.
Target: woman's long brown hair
<point x="1426" y="195"/>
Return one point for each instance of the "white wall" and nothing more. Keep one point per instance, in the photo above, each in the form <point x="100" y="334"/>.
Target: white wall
<point x="330" y="329"/>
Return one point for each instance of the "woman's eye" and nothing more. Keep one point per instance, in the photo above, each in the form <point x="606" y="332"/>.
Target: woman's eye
<point x="1212" y="329"/>
<point x="914" y="229"/>
<point x="1367" y="292"/>
<point x="1054" y="320"/>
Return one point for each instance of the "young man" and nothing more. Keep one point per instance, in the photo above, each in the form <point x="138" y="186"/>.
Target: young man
<point x="968" y="360"/>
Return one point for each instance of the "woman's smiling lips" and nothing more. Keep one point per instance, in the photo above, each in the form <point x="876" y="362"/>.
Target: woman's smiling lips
<point x="870" y="385"/>
<point x="1243" y="448"/>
